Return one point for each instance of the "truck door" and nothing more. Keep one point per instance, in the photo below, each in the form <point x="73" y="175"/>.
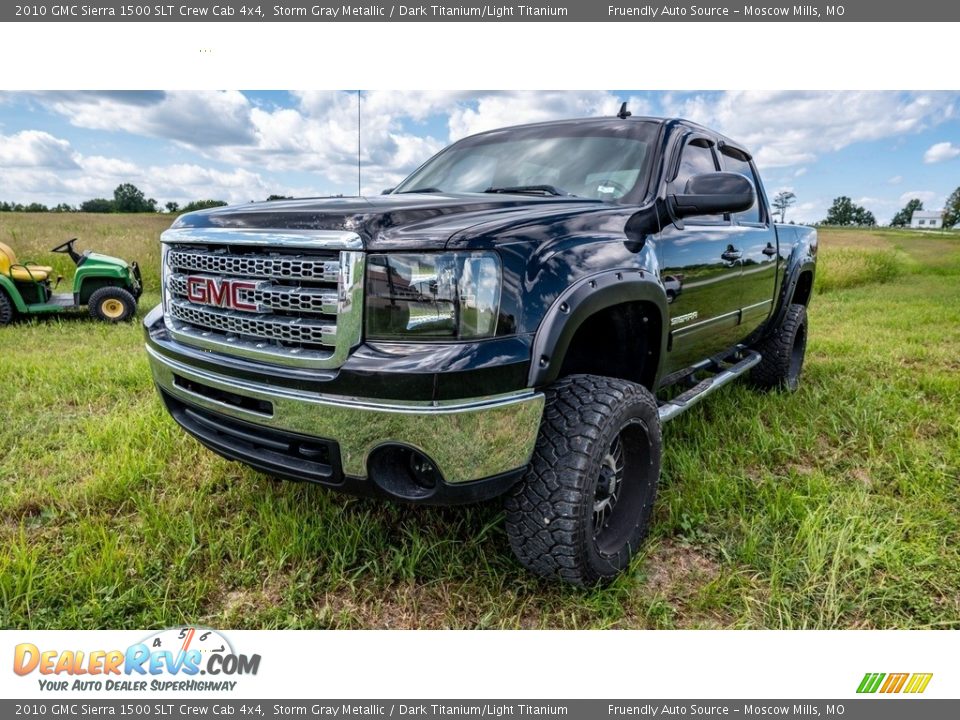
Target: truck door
<point x="755" y="238"/>
<point x="700" y="269"/>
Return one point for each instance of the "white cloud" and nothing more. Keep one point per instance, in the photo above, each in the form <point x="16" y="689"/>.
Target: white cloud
<point x="895" y="180"/>
<point x="38" y="167"/>
<point x="196" y="119"/>
<point x="940" y="152"/>
<point x="800" y="172"/>
<point x="517" y="108"/>
<point x="791" y="128"/>
<point x="35" y="149"/>
<point x="927" y="197"/>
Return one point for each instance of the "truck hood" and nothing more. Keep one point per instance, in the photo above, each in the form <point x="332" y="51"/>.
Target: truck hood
<point x="396" y="222"/>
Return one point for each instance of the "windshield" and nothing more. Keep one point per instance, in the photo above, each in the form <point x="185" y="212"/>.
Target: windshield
<point x="593" y="161"/>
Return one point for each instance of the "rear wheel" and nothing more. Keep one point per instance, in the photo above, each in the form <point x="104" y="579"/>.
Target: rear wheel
<point x="783" y="353"/>
<point x="6" y="309"/>
<point x="584" y="506"/>
<point x="112" y="304"/>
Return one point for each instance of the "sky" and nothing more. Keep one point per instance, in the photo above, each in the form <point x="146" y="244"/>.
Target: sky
<point x="879" y="148"/>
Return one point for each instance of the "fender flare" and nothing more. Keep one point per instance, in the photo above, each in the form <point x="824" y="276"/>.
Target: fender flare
<point x="7" y="286"/>
<point x="795" y="270"/>
<point x="583" y="299"/>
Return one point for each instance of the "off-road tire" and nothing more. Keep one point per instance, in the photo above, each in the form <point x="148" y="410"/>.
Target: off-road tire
<point x="112" y="305"/>
<point x="551" y="512"/>
<point x="6" y="309"/>
<point x="782" y="353"/>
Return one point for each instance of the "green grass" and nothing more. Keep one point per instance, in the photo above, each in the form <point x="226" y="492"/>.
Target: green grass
<point x="836" y="507"/>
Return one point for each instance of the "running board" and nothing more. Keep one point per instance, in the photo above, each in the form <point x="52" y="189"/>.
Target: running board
<point x="671" y="408"/>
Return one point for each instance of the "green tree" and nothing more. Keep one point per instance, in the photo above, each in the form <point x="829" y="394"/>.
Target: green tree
<point x="37" y="207"/>
<point x="951" y="213"/>
<point x="202" y="205"/>
<point x="279" y="197"/>
<point x="864" y="217"/>
<point x="783" y="200"/>
<point x="845" y="212"/>
<point x="128" y="198"/>
<point x="98" y="205"/>
<point x="902" y="218"/>
<point x="172" y="207"/>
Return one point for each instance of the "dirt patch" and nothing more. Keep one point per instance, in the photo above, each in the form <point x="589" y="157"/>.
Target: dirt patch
<point x="677" y="571"/>
<point x="677" y="574"/>
<point x="243" y="601"/>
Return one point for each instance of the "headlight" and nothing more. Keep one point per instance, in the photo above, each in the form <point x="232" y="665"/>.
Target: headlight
<point x="433" y="296"/>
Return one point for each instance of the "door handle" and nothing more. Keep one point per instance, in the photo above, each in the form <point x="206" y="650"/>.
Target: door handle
<point x="730" y="254"/>
<point x="769" y="250"/>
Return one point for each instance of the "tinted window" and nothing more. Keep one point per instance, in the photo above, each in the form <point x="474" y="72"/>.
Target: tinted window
<point x="695" y="160"/>
<point x="732" y="164"/>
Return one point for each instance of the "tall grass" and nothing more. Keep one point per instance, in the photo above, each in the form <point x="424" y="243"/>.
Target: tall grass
<point x="843" y="268"/>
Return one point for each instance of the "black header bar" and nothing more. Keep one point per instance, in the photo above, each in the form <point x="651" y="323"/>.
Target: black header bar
<point x="467" y="11"/>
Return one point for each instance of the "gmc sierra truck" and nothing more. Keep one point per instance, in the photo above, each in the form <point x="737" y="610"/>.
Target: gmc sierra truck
<point x="518" y="317"/>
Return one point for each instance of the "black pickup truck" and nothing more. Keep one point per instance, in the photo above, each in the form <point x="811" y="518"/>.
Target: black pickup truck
<point x="517" y="318"/>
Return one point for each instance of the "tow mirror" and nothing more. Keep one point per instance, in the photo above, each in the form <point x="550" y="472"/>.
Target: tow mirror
<point x="713" y="193"/>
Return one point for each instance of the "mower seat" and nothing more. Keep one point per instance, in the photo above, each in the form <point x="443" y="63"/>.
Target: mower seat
<point x="17" y="271"/>
<point x="33" y="273"/>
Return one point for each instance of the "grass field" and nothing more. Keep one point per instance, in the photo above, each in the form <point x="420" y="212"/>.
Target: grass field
<point x="837" y="507"/>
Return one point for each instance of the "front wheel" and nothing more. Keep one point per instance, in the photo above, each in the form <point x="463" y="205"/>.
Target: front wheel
<point x="112" y="304"/>
<point x="584" y="506"/>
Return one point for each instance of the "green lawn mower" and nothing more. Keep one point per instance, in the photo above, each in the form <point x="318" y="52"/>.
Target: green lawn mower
<point x="108" y="286"/>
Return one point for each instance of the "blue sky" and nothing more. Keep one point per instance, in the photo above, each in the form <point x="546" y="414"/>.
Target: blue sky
<point x="880" y="148"/>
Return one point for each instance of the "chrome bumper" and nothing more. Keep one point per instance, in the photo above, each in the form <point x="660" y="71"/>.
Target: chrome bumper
<point x="466" y="439"/>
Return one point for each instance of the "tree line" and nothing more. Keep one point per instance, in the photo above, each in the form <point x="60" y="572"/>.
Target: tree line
<point x="845" y="212"/>
<point x="127" y="198"/>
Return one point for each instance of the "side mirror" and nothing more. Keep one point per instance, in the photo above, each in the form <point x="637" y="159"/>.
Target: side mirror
<point x="713" y="194"/>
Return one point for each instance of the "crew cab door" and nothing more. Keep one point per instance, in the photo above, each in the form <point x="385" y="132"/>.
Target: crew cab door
<point x="754" y="237"/>
<point x="700" y="269"/>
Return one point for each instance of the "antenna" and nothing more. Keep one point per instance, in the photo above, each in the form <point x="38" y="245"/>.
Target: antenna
<point x="624" y="113"/>
<point x="358" y="144"/>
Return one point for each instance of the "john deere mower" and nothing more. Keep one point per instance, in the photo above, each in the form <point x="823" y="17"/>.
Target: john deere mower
<point x="108" y="286"/>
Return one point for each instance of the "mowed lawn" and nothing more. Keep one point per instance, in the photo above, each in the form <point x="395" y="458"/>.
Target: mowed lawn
<point x="836" y="507"/>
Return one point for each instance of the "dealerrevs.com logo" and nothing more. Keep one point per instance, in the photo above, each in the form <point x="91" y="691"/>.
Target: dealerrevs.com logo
<point x="179" y="659"/>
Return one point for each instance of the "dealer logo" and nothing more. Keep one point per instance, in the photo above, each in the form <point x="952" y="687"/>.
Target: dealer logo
<point x="168" y="660"/>
<point x="910" y="683"/>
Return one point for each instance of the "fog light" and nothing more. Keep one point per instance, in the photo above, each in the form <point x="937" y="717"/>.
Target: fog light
<point x="403" y="472"/>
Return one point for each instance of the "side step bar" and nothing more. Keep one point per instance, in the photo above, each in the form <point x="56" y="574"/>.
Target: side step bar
<point x="671" y="408"/>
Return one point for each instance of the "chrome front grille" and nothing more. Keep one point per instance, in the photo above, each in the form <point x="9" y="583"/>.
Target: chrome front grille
<point x="287" y="266"/>
<point x="282" y="329"/>
<point x="285" y="297"/>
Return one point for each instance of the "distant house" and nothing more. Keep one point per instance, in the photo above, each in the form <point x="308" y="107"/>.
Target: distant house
<point x="927" y="219"/>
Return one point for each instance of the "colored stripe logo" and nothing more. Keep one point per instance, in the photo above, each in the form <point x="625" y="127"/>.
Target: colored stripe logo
<point x="913" y="683"/>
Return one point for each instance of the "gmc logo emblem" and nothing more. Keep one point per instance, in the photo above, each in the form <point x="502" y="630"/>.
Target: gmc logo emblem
<point x="219" y="292"/>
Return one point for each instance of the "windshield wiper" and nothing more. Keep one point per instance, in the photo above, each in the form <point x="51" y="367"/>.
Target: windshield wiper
<point x="521" y="189"/>
<point x="421" y="190"/>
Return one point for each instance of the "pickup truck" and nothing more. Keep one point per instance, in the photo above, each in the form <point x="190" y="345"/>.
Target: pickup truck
<point x="518" y="317"/>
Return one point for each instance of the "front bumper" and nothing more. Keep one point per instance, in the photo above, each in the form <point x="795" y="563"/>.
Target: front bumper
<point x="478" y="446"/>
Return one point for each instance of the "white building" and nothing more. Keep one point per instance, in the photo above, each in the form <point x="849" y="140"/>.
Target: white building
<point x="927" y="219"/>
